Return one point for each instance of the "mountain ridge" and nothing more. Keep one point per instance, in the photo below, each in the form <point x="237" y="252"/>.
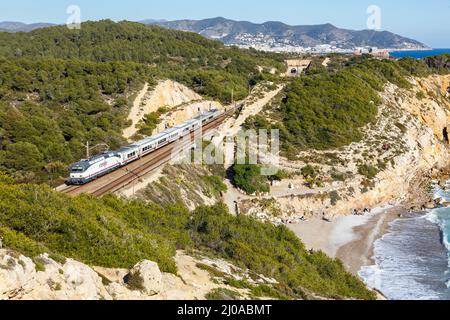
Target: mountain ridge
<point x="276" y="34"/>
<point x="270" y="35"/>
<point x="14" y="26"/>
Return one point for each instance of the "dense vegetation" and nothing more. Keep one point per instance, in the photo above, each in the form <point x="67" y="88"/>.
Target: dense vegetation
<point x="115" y="233"/>
<point x="60" y="88"/>
<point x="50" y="108"/>
<point x="249" y="179"/>
<point x="328" y="107"/>
<point x="209" y="66"/>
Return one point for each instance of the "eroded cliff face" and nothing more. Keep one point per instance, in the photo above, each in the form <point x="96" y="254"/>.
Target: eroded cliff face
<point x="404" y="149"/>
<point x="180" y="102"/>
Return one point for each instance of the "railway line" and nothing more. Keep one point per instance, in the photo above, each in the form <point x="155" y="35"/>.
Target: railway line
<point x="134" y="171"/>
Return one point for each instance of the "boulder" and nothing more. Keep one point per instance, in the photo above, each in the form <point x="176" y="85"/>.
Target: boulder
<point x="83" y="281"/>
<point x="146" y="277"/>
<point x="16" y="271"/>
<point x="430" y="205"/>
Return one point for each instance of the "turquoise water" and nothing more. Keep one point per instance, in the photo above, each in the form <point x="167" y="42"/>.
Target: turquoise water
<point x="418" y="54"/>
<point x="412" y="261"/>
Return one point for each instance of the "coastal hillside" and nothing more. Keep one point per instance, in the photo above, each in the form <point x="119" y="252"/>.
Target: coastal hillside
<point x="381" y="145"/>
<point x="206" y="65"/>
<point x="279" y="35"/>
<point x="115" y="233"/>
<point x="60" y="88"/>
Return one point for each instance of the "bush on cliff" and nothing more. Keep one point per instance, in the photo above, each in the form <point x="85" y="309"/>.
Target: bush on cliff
<point x="112" y="232"/>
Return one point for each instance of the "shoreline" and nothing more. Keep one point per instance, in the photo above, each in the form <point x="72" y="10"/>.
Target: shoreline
<point x="360" y="253"/>
<point x="352" y="238"/>
<point x="349" y="238"/>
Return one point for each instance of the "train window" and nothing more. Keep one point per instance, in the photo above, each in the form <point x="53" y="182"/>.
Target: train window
<point x="131" y="155"/>
<point x="162" y="141"/>
<point x="77" y="170"/>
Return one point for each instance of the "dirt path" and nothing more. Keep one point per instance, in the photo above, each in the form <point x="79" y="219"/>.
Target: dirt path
<point x="231" y="128"/>
<point x="136" y="113"/>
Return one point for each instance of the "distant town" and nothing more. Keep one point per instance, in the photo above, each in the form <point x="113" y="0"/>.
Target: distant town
<point x="264" y="42"/>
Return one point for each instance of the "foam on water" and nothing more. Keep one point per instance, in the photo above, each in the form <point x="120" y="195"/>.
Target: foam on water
<point x="411" y="261"/>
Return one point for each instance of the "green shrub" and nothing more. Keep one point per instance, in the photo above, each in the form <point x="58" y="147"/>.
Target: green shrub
<point x="420" y="95"/>
<point x="334" y="197"/>
<point x="265" y="291"/>
<point x="249" y="178"/>
<point x="216" y="185"/>
<point x="309" y="172"/>
<point x="222" y="294"/>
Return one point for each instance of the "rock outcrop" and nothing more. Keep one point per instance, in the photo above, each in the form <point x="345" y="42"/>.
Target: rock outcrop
<point x="72" y="280"/>
<point x="146" y="277"/>
<point x="46" y="279"/>
<point x="180" y="103"/>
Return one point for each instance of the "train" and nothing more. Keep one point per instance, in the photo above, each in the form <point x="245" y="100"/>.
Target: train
<point x="87" y="170"/>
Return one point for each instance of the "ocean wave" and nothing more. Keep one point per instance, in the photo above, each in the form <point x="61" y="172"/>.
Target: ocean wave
<point x="409" y="261"/>
<point x="441" y="218"/>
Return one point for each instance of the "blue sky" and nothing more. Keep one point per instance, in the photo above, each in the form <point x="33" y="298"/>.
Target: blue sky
<point x="425" y="20"/>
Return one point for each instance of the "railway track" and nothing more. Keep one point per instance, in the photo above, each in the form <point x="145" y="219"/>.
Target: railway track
<point x="128" y="174"/>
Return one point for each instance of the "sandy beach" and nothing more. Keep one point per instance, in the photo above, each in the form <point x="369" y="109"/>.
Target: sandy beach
<point x="349" y="238"/>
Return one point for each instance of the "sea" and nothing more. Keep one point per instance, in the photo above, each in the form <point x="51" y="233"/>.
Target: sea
<point x="418" y="54"/>
<point x="412" y="260"/>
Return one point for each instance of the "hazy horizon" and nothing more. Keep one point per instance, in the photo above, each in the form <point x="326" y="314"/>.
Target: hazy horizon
<point x="426" y="22"/>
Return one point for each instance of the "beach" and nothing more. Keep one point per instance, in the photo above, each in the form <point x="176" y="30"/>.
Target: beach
<point x="348" y="238"/>
<point x="400" y="251"/>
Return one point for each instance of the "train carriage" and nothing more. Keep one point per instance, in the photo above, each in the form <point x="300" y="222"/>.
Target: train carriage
<point x="146" y="146"/>
<point x="85" y="171"/>
<point x="129" y="154"/>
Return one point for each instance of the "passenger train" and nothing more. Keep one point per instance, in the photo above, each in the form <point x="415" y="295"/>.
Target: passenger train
<point x="87" y="170"/>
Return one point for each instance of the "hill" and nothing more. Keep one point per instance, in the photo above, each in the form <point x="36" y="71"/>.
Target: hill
<point x="326" y="108"/>
<point x="61" y="87"/>
<point x="116" y="233"/>
<point x="12" y="26"/>
<point x="276" y="34"/>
